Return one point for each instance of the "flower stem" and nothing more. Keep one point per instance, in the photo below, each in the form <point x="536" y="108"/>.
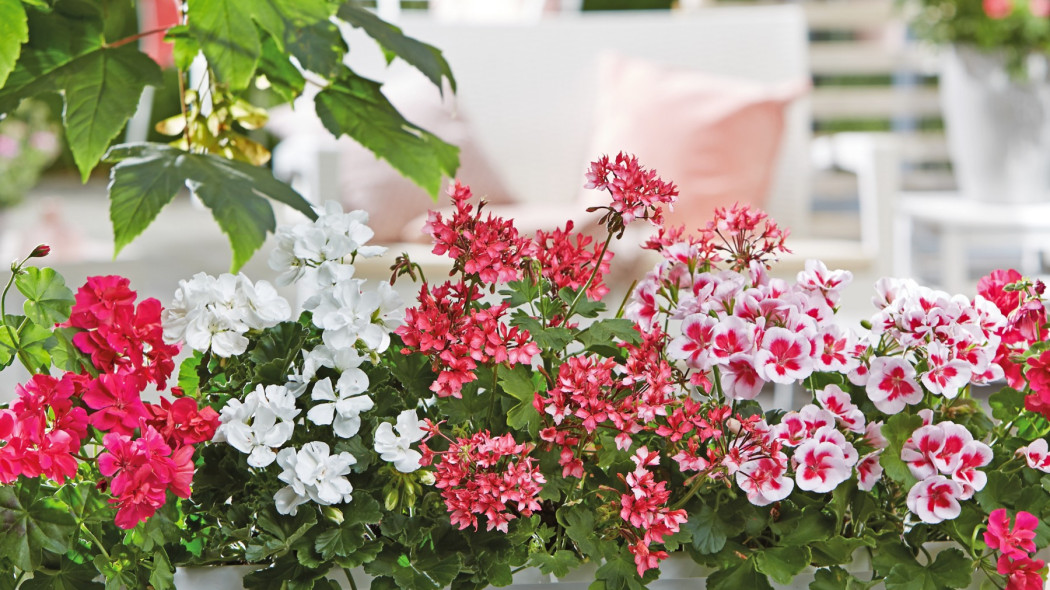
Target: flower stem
<point x="95" y="540"/>
<point x="15" y="269"/>
<point x="350" y="578"/>
<point x="590" y="279"/>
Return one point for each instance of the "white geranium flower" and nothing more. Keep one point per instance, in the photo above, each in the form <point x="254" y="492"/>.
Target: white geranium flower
<point x="345" y="314"/>
<point x="341" y="411"/>
<point x="213" y="313"/>
<point x="394" y="448"/>
<point x="262" y="423"/>
<point x="313" y="473"/>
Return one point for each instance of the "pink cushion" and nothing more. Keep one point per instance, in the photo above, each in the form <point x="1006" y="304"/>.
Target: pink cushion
<point x="373" y="185"/>
<point x="717" y="138"/>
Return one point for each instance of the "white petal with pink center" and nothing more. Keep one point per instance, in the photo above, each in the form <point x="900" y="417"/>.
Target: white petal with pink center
<point x="784" y="356"/>
<point x="740" y="380"/>
<point x="1036" y="455"/>
<point x="956" y="437"/>
<point x="891" y="385"/>
<point x="694" y="345"/>
<point x="838" y="402"/>
<point x="975" y="454"/>
<point x="730" y="337"/>
<point x="935" y="499"/>
<point x="765" y="480"/>
<point x="869" y="471"/>
<point x="919" y="449"/>
<point x="820" y="466"/>
<point x="946" y="375"/>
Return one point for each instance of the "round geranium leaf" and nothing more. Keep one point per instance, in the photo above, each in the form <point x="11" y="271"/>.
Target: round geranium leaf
<point x="48" y="299"/>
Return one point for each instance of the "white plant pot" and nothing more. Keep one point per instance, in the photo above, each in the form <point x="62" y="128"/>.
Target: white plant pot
<point x="998" y="127"/>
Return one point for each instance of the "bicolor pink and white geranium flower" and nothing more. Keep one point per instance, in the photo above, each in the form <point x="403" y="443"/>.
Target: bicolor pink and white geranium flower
<point x="946" y="375"/>
<point x="891" y="384"/>
<point x="935" y="499"/>
<point x="838" y="402"/>
<point x="694" y="345"/>
<point x="765" y="480"/>
<point x="1036" y="455"/>
<point x="820" y="466"/>
<point x="784" y="356"/>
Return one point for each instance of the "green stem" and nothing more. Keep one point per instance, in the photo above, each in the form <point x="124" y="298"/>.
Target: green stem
<point x="590" y="279"/>
<point x="95" y="540"/>
<point x="15" y="269"/>
<point x="350" y="578"/>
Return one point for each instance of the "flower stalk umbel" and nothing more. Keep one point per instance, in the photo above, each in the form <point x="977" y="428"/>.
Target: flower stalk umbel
<point x="506" y="420"/>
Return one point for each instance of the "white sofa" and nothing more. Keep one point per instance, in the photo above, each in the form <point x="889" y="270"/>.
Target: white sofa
<point x="528" y="90"/>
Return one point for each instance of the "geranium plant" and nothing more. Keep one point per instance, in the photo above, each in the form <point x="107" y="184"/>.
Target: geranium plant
<point x="508" y="419"/>
<point x="88" y="470"/>
<point x="1015" y="29"/>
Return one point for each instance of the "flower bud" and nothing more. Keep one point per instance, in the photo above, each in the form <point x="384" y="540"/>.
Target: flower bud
<point x="333" y="514"/>
<point x="40" y="251"/>
<point x="733" y="425"/>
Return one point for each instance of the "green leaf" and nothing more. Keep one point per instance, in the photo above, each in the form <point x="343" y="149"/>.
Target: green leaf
<point x="708" y="530"/>
<point x="523" y="416"/>
<point x="163" y="575"/>
<point x="284" y="78"/>
<point x="342" y="541"/>
<point x="519" y="383"/>
<point x="277" y="349"/>
<point x="286" y="19"/>
<point x="805" y="527"/>
<point x="56" y="40"/>
<point x="189" y="379"/>
<point x="951" y="569"/>
<point x="783" y="563"/>
<point x="228" y="38"/>
<point x="32" y="522"/>
<point x="838" y="550"/>
<point x="617" y="573"/>
<point x="69" y="576"/>
<point x="146" y="177"/>
<point x="604" y="332"/>
<point x="1006" y="404"/>
<point x="185" y="47"/>
<point x="836" y="578"/>
<point x="65" y="355"/>
<point x="737" y="577"/>
<point x="320" y="48"/>
<point x="30" y="340"/>
<point x="48" y="300"/>
<point x="356" y="107"/>
<point x="425" y="58"/>
<point x="559" y="564"/>
<point x="1001" y="490"/>
<point x="579" y="525"/>
<point x="14" y="31"/>
<point x="897" y="430"/>
<point x="101" y="92"/>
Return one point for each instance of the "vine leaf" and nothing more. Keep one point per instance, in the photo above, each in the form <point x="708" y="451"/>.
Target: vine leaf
<point x="147" y="177"/>
<point x="66" y="52"/>
<point x="355" y="106"/>
<point x="228" y="38"/>
<point x="425" y="58"/>
<point x="102" y="92"/>
<point x="14" y="31"/>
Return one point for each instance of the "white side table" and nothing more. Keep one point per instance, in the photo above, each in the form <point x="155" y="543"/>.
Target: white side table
<point x="958" y="220"/>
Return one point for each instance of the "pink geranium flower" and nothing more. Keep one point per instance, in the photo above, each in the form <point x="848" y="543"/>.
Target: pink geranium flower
<point x="935" y="499"/>
<point x="1016" y="542"/>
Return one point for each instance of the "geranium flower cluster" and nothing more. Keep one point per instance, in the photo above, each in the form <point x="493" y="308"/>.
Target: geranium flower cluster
<point x="1015" y="544"/>
<point x="751" y="328"/>
<point x="148" y="448"/>
<point x="484" y="475"/>
<point x="459" y="335"/>
<point x="945" y="458"/>
<point x="637" y="192"/>
<point x="325" y="386"/>
<point x="644" y="507"/>
<point x="214" y="313"/>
